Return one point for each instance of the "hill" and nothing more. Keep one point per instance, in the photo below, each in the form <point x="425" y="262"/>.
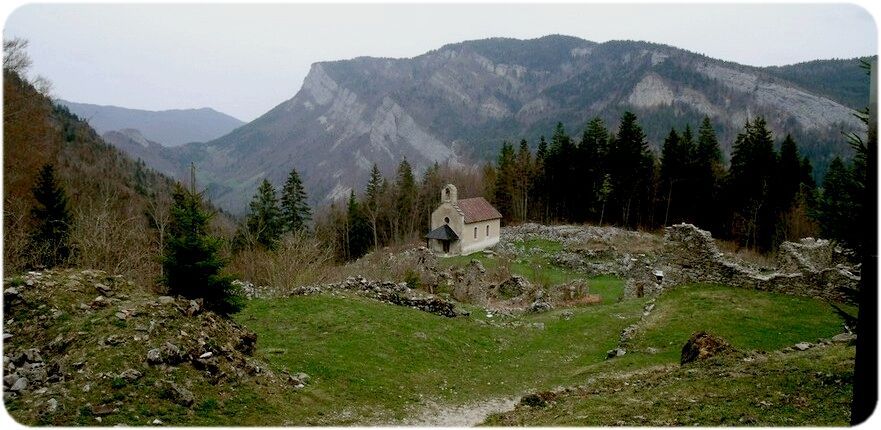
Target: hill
<point x="457" y="103"/>
<point x="172" y="127"/>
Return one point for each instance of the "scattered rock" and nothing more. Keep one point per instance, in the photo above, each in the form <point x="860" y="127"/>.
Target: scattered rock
<point x="566" y="315"/>
<point x="617" y="352"/>
<point x="195" y="306"/>
<point x="299" y="380"/>
<point x="114" y="340"/>
<point x="154" y="356"/>
<point x="103" y="289"/>
<point x="51" y="406"/>
<point x="102" y="410"/>
<point x="180" y="395"/>
<point x="802" y="346"/>
<point x="702" y="345"/>
<point x="206" y="355"/>
<point x="130" y="375"/>
<point x="844" y="338"/>
<point x="20" y="384"/>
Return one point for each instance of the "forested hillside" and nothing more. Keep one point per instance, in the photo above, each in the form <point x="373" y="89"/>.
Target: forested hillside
<point x="117" y="207"/>
<point x="842" y="80"/>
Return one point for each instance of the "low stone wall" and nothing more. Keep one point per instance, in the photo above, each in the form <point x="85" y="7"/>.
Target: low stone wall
<point x="813" y="268"/>
<point x="388" y="292"/>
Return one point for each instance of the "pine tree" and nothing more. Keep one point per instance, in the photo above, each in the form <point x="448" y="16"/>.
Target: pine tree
<point x="836" y="207"/>
<point x="295" y="212"/>
<point x="264" y="223"/>
<point x="753" y="161"/>
<point x="707" y="177"/>
<point x="522" y="181"/>
<point x="191" y="260"/>
<point x="405" y="200"/>
<point x="503" y="195"/>
<point x="591" y="172"/>
<point x="788" y="175"/>
<point x="358" y="229"/>
<point x="53" y="219"/>
<point x="631" y="168"/>
<point x="673" y="169"/>
<point x="372" y="202"/>
<point x="539" y="181"/>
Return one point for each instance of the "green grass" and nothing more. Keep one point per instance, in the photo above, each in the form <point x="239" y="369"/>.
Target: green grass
<point x="803" y="388"/>
<point x="383" y="362"/>
<point x="375" y="357"/>
<point x="749" y="320"/>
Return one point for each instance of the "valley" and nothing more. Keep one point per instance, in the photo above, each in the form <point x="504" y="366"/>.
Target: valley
<point x="502" y="231"/>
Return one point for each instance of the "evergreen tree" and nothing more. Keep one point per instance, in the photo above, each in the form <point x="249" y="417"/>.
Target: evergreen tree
<point x="753" y="162"/>
<point x="631" y="168"/>
<point x="788" y="174"/>
<point x="357" y="230"/>
<point x="522" y="181"/>
<point x="372" y="202"/>
<point x="429" y="195"/>
<point x="405" y="200"/>
<point x="591" y="171"/>
<point x="264" y="223"/>
<point x="295" y="212"/>
<point x="191" y="260"/>
<point x="53" y="219"/>
<point x="503" y="195"/>
<point x="561" y="174"/>
<point x="836" y="207"/>
<point x="707" y="177"/>
<point x="674" y="161"/>
<point x="539" y="190"/>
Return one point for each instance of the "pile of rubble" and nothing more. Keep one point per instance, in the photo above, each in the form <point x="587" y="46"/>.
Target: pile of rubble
<point x="389" y="292"/>
<point x="71" y="335"/>
<point x="812" y="268"/>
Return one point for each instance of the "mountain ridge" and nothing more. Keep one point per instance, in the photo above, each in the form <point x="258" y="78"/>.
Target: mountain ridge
<point x="457" y="103"/>
<point x="169" y="127"/>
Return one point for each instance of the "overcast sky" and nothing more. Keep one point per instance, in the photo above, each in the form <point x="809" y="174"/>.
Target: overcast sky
<point x="243" y="60"/>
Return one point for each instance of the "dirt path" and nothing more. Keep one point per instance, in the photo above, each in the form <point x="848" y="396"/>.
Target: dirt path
<point x="469" y="415"/>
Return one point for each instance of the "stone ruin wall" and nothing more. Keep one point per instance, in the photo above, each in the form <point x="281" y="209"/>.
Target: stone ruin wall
<point x="811" y="267"/>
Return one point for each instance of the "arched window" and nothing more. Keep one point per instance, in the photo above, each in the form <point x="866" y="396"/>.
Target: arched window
<point x="475" y="232"/>
<point x="446" y="220"/>
<point x="447" y="193"/>
<point x="487" y="231"/>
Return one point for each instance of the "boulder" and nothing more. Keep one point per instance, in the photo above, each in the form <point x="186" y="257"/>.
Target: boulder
<point x="617" y="352"/>
<point x="180" y="395"/>
<point x="701" y="346"/>
<point x="130" y="375"/>
<point x="802" y="346"/>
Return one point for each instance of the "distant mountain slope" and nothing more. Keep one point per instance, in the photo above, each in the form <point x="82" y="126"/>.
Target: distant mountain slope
<point x="457" y="103"/>
<point x="168" y="127"/>
<point x="842" y="80"/>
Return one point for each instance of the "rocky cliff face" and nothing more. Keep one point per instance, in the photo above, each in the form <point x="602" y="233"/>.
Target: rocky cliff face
<point x="457" y="103"/>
